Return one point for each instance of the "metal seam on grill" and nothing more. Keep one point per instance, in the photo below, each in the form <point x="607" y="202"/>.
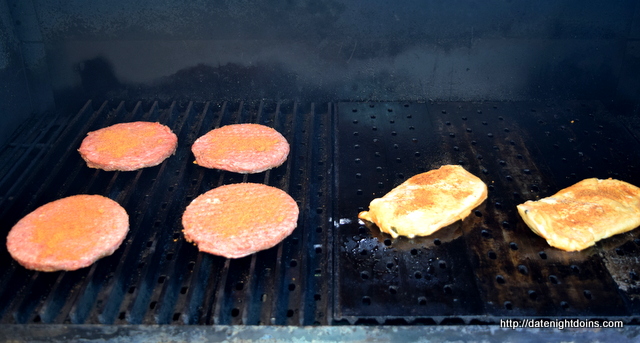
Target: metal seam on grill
<point x="291" y="251"/>
<point x="304" y="218"/>
<point x="313" y="285"/>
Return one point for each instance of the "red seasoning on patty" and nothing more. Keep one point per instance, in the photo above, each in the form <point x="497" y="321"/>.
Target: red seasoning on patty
<point x="69" y="233"/>
<point x="241" y="148"/>
<point x="128" y="146"/>
<point x="237" y="220"/>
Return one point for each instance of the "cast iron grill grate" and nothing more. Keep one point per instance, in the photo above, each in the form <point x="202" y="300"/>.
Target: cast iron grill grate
<point x="156" y="277"/>
<point x="332" y="270"/>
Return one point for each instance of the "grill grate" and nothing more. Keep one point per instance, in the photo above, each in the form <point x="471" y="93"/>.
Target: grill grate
<point x="155" y="277"/>
<point x="332" y="270"/>
<point x="489" y="266"/>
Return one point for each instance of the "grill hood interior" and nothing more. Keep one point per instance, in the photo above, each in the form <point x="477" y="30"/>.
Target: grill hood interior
<point x="57" y="55"/>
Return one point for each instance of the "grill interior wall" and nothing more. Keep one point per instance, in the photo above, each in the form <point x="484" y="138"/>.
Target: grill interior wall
<point x="328" y="50"/>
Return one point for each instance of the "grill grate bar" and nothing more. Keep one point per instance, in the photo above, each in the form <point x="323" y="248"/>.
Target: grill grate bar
<point x="24" y="137"/>
<point x="297" y="266"/>
<point x="291" y="289"/>
<point x="155" y="278"/>
<point x="26" y="297"/>
<point x="118" y="187"/>
<point x="70" y="277"/>
<point x="20" y="157"/>
<point x="261" y="290"/>
<point x="145" y="235"/>
<point x="46" y="162"/>
<point x="182" y="258"/>
<point x="249" y="292"/>
<point x="278" y="300"/>
<point x="215" y="316"/>
<point x="246" y="311"/>
<point x="168" y="233"/>
<point x="311" y="269"/>
<point x="200" y="270"/>
<point x="223" y="308"/>
<point x="110" y="298"/>
<point x="201" y="294"/>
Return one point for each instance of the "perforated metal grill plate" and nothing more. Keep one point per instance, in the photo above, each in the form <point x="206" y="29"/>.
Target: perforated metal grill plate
<point x="489" y="266"/>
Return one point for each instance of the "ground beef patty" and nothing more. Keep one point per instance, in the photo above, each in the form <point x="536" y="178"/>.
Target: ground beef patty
<point x="239" y="219"/>
<point x="69" y="233"/>
<point x="241" y="148"/>
<point x="128" y="146"/>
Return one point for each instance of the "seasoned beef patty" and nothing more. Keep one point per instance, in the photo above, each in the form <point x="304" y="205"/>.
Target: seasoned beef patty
<point x="69" y="233"/>
<point x="128" y="146"/>
<point x="241" y="148"/>
<point x="240" y="219"/>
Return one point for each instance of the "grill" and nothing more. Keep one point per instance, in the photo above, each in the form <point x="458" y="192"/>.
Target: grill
<point x="332" y="270"/>
<point x="530" y="97"/>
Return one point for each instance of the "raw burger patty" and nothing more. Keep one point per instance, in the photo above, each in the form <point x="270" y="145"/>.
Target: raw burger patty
<point x="240" y="219"/>
<point x="241" y="148"/>
<point x="69" y="233"/>
<point x="128" y="146"/>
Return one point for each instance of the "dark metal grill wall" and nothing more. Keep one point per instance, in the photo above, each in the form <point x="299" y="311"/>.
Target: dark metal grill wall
<point x="57" y="55"/>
